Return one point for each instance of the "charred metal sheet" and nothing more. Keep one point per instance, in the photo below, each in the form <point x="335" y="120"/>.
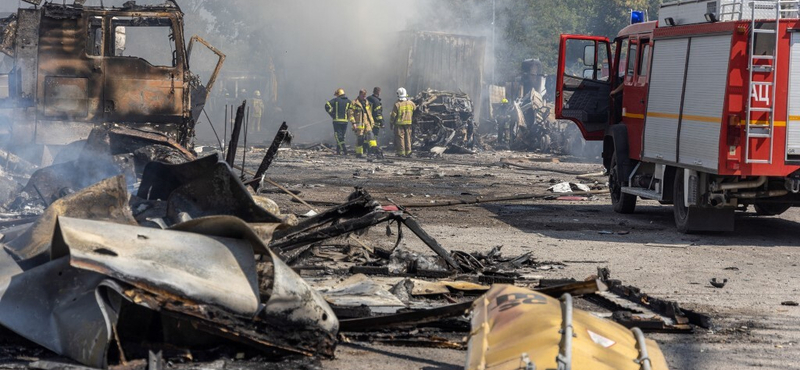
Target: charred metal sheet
<point x="168" y="262"/>
<point x="106" y="200"/>
<point x="202" y="274"/>
<point x="199" y="91"/>
<point x="359" y="204"/>
<point x="675" y="315"/>
<point x="420" y="317"/>
<point x="130" y="140"/>
<point x="205" y="187"/>
<point x="55" y="306"/>
<point x="8" y="34"/>
<point x="237" y="128"/>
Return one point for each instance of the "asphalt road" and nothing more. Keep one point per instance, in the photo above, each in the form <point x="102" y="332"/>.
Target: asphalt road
<point x="759" y="259"/>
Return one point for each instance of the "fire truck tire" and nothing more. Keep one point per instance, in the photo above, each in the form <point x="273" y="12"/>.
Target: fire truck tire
<point x="621" y="202"/>
<point x="694" y="219"/>
<point x="770" y="209"/>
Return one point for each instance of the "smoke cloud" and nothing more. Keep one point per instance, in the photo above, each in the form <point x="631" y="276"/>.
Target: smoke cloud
<point x="319" y="46"/>
<point x="313" y="47"/>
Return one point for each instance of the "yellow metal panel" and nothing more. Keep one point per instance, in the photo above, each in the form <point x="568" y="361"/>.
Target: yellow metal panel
<point x="509" y="323"/>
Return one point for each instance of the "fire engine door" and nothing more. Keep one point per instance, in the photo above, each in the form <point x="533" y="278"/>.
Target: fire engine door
<point x="144" y="74"/>
<point x="634" y="97"/>
<point x="793" y="121"/>
<point x="582" y="92"/>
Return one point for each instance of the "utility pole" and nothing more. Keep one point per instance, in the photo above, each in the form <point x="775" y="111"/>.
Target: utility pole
<point x="494" y="42"/>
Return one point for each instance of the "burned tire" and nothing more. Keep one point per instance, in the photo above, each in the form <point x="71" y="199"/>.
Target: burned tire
<point x="770" y="209"/>
<point x="621" y="202"/>
<point x="693" y="219"/>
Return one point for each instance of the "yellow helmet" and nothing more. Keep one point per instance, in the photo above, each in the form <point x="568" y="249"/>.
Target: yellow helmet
<point x="339" y="92"/>
<point x="504" y="101"/>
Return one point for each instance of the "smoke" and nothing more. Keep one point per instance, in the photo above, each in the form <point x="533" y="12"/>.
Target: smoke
<point x="319" y="46"/>
<point x="311" y="48"/>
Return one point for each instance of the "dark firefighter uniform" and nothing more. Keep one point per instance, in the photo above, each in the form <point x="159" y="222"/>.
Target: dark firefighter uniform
<point x="377" y="114"/>
<point x="360" y="116"/>
<point x="338" y="109"/>
<point x="504" y="119"/>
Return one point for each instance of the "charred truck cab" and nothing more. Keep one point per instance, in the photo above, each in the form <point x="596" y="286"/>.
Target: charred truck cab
<point x="76" y="68"/>
<point x="700" y="109"/>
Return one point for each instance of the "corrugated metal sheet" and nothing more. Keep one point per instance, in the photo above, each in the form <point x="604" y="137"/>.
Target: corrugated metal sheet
<point x="703" y="104"/>
<point x="793" y="122"/>
<point x="443" y="62"/>
<point x="664" y="100"/>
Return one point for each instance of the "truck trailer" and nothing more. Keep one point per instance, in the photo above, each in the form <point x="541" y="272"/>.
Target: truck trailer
<point x="699" y="109"/>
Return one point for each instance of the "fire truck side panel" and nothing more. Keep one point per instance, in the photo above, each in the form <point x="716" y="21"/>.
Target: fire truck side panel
<point x="793" y="122"/>
<point x="664" y="100"/>
<point x="738" y="96"/>
<point x="704" y="98"/>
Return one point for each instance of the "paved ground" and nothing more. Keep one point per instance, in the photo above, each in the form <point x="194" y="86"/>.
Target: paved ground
<point x="760" y="259"/>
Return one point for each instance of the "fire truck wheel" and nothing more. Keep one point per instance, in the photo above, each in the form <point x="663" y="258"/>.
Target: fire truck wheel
<point x="683" y="219"/>
<point x="770" y="209"/>
<point x="697" y="219"/>
<point x="621" y="202"/>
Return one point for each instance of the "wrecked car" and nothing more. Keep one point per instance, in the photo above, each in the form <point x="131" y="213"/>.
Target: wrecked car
<point x="78" y="67"/>
<point x="443" y="119"/>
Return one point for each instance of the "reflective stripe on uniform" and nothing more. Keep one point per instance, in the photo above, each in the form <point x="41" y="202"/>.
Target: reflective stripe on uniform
<point x="359" y="149"/>
<point x="373" y="143"/>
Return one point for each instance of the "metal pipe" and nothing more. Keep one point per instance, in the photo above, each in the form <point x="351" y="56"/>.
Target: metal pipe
<point x="762" y="194"/>
<point x="644" y="358"/>
<point x="740" y="185"/>
<point x="564" y="358"/>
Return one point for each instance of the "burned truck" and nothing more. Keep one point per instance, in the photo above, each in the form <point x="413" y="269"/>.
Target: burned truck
<point x="77" y="67"/>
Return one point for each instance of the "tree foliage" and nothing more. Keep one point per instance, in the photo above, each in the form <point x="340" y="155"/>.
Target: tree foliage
<point x="532" y="27"/>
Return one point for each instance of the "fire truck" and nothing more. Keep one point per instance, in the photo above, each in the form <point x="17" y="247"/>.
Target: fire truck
<point x="699" y="109"/>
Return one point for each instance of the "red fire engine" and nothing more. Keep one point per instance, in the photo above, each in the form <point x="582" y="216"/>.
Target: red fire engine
<point x="701" y="110"/>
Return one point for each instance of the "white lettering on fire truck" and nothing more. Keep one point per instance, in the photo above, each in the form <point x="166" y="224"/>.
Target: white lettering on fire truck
<point x="760" y="93"/>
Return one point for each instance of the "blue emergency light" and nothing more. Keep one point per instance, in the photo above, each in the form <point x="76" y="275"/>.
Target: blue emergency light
<point x="637" y="16"/>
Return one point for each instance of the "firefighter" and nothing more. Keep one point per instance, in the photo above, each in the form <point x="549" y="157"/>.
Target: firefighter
<point x="377" y="115"/>
<point x="401" y="118"/>
<point x="504" y="123"/>
<point x="338" y="109"/>
<point x="360" y="116"/>
<point x="258" y="110"/>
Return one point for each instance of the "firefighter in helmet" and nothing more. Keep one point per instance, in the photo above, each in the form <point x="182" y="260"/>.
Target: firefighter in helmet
<point x="503" y="119"/>
<point x="338" y="108"/>
<point x="360" y="116"/>
<point x="401" y="119"/>
<point x="377" y="115"/>
<point x="258" y="109"/>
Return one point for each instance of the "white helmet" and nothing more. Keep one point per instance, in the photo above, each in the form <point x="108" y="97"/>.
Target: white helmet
<point x="402" y="94"/>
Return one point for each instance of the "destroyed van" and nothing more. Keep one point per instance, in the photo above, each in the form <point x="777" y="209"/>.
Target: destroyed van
<point x="77" y="67"/>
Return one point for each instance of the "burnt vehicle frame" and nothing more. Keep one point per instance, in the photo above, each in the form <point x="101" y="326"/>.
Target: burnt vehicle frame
<point x="71" y="74"/>
<point x="443" y="118"/>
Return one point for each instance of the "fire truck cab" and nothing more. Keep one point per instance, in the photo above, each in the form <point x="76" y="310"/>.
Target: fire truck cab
<point x="700" y="109"/>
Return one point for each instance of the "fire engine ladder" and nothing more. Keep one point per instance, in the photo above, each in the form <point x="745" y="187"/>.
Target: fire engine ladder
<point x="764" y="129"/>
